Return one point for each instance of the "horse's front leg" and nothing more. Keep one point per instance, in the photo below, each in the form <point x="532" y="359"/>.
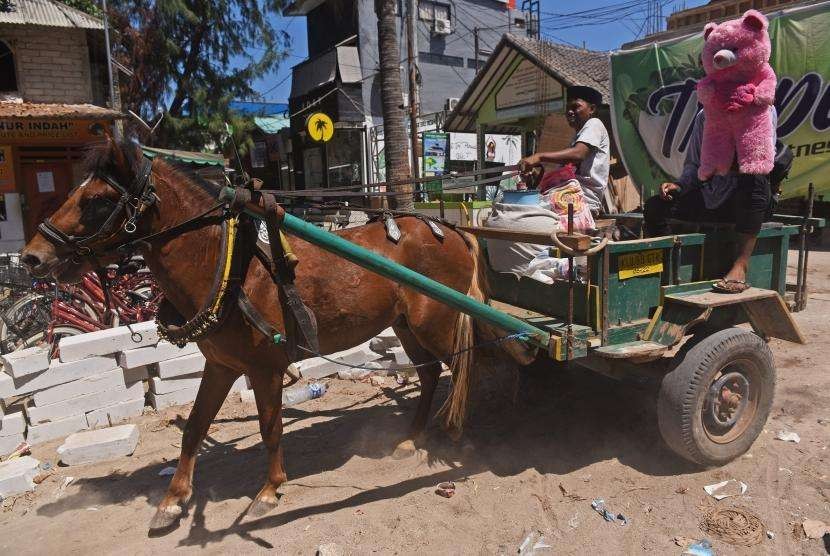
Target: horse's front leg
<point x="267" y="385"/>
<point x="213" y="390"/>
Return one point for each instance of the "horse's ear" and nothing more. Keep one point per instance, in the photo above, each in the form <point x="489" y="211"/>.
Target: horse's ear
<point x="119" y="160"/>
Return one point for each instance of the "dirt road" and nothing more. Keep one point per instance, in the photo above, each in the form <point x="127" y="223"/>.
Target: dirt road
<point x="530" y="466"/>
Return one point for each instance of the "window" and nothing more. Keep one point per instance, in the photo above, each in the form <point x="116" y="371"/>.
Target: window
<point x="259" y="154"/>
<point x="8" y="76"/>
<point x="443" y="59"/>
<point x="430" y="11"/>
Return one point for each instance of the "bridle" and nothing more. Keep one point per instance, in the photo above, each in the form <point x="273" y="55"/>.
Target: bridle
<point x="134" y="201"/>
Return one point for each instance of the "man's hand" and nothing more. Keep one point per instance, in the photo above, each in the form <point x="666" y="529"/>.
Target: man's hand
<point x="527" y="163"/>
<point x="666" y="190"/>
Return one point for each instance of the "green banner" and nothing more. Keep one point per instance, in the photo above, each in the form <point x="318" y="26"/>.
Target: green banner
<point x="654" y="101"/>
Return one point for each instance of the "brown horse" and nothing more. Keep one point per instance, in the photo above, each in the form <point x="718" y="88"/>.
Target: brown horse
<point x="350" y="303"/>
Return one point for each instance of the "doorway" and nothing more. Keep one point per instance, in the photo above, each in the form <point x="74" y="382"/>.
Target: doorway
<point x="46" y="185"/>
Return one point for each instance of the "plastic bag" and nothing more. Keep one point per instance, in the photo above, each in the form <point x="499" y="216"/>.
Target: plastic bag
<point x="557" y="200"/>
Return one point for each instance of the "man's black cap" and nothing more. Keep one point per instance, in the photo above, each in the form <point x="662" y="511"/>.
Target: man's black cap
<point x="585" y="93"/>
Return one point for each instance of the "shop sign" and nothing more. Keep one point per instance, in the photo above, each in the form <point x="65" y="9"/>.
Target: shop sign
<point x="45" y="130"/>
<point x="6" y="169"/>
<point x="528" y="84"/>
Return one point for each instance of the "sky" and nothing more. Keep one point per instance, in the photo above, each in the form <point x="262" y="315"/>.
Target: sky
<point x="607" y="34"/>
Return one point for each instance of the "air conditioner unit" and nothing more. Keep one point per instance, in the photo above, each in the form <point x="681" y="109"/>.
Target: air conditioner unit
<point x="450" y="104"/>
<point x="442" y="27"/>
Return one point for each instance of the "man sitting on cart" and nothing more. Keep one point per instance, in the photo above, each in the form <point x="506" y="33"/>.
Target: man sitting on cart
<point x="742" y="199"/>
<point x="589" y="150"/>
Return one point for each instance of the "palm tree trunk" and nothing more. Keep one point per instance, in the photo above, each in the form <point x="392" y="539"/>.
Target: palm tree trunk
<point x="391" y="95"/>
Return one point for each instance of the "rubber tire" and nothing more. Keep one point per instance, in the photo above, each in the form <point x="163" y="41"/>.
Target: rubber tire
<point x="684" y="389"/>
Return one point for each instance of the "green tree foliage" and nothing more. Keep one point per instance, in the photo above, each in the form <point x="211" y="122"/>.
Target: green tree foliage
<point x="88" y="6"/>
<point x="190" y="59"/>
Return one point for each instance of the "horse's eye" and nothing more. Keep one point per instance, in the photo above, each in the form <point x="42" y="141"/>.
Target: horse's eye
<point x="96" y="210"/>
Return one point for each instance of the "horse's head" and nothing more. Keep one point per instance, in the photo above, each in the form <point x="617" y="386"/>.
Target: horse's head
<point x="100" y="214"/>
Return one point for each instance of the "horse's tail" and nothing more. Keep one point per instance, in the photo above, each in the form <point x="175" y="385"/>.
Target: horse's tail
<point x="465" y="335"/>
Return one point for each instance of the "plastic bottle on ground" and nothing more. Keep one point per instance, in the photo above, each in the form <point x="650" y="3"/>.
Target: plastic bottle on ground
<point x="300" y="394"/>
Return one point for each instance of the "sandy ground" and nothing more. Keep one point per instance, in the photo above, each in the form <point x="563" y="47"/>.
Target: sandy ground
<point x="533" y="465"/>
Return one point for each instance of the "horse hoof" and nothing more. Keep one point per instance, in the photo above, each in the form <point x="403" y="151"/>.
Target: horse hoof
<point x="260" y="507"/>
<point x="404" y="450"/>
<point x="166" y="517"/>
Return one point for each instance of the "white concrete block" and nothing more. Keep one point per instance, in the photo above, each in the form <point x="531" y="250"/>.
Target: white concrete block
<point x="9" y="443"/>
<point x="247" y="396"/>
<point x="189" y="364"/>
<point x="133" y="358"/>
<point x="99" y="445"/>
<point x="240" y="384"/>
<point x="165" y="386"/>
<point x="82" y="404"/>
<point x="139" y="373"/>
<point x="2" y="405"/>
<point x="110" y="380"/>
<point x="25" y="362"/>
<point x="177" y="397"/>
<point x="55" y="429"/>
<point x="384" y="341"/>
<point x="143" y="334"/>
<point x="100" y="342"/>
<point x="317" y="367"/>
<point x="113" y="414"/>
<point x="12" y="423"/>
<point x="60" y="373"/>
<point x="6" y="385"/>
<point x="401" y="358"/>
<point x="17" y="475"/>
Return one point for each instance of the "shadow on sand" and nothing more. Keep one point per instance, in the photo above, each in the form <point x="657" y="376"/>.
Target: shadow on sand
<point x="562" y="421"/>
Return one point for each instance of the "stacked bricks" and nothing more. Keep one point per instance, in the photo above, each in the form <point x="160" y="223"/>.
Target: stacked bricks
<point x="51" y="66"/>
<point x="100" y="379"/>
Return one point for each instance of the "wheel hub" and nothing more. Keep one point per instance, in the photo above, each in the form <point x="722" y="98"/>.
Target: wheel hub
<point x="727" y="399"/>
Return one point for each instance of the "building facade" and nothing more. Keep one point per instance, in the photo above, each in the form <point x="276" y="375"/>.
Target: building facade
<point x="722" y="9"/>
<point x="341" y="79"/>
<point x="53" y="89"/>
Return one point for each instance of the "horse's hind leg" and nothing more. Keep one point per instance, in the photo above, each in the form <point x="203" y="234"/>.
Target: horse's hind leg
<point x="213" y="390"/>
<point x="428" y="375"/>
<point x="267" y="384"/>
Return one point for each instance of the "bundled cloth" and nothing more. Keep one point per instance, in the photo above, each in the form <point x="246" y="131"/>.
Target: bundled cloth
<point x="509" y="256"/>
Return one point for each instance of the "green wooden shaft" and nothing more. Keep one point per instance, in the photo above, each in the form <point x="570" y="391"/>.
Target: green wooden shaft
<point x="399" y="273"/>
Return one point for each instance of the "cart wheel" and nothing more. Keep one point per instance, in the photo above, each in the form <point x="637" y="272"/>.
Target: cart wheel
<point x="715" y="401"/>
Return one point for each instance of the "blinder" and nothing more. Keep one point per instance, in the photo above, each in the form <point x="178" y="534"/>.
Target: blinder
<point x="133" y="202"/>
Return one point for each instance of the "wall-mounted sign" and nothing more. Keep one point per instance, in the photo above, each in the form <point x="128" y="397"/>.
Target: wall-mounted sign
<point x="38" y="130"/>
<point x="320" y="127"/>
<point x="506" y="149"/>
<point x="435" y="153"/>
<point x="528" y="84"/>
<point x="463" y="146"/>
<point x="6" y="169"/>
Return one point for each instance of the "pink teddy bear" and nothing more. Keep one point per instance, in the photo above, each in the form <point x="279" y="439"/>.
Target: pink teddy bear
<point x="736" y="94"/>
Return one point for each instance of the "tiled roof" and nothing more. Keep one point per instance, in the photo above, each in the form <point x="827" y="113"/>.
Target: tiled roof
<point x="49" y="13"/>
<point x="56" y="111"/>
<point x="575" y="66"/>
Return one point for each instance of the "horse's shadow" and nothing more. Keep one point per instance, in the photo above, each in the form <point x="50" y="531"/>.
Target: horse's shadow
<point x="562" y="421"/>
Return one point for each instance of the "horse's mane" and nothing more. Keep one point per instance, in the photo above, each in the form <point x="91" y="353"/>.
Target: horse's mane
<point x="100" y="157"/>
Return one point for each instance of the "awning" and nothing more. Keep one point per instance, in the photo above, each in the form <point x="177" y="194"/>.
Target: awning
<point x="40" y="110"/>
<point x="202" y="159"/>
<point x="319" y="71"/>
<point x="271" y="124"/>
<point x="48" y="13"/>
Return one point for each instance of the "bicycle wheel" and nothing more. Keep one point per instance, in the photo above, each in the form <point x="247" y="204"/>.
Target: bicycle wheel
<point x="25" y="322"/>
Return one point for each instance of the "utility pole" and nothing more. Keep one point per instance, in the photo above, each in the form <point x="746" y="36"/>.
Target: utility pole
<point x="414" y="95"/>
<point x="109" y="62"/>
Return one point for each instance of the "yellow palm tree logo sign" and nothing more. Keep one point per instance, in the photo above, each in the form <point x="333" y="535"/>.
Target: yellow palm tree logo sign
<point x="320" y="127"/>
